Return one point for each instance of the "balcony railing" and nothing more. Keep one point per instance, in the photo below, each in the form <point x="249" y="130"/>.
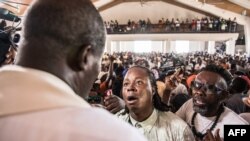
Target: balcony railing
<point x="163" y="28"/>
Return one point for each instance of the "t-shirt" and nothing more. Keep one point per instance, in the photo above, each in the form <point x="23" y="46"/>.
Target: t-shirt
<point x="203" y="123"/>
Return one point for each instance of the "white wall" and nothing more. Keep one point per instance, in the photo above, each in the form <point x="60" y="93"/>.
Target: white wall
<point x="157" y="10"/>
<point x="241" y="19"/>
<point x="124" y="46"/>
<point x="197" y="46"/>
<point x="127" y="46"/>
<point x="153" y="10"/>
<point x="240" y="48"/>
<point x="156" y="46"/>
<point x="211" y="47"/>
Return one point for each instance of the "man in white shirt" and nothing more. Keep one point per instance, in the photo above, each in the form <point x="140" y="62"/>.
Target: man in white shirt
<point x="59" y="59"/>
<point x="205" y="111"/>
<point x="145" y="111"/>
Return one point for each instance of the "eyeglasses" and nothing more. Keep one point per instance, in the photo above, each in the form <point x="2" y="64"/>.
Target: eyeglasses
<point x="211" y="88"/>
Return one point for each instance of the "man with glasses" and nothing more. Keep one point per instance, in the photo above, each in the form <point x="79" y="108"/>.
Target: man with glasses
<point x="205" y="113"/>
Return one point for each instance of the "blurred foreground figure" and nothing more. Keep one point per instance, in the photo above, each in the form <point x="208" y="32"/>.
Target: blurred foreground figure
<point x="41" y="99"/>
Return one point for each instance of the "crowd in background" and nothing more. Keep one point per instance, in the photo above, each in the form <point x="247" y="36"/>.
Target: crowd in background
<point x="153" y="96"/>
<point x="173" y="25"/>
<point x="186" y="84"/>
<point x="114" y="67"/>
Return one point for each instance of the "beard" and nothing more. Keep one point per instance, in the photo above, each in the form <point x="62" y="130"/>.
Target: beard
<point x="207" y="110"/>
<point x="203" y="110"/>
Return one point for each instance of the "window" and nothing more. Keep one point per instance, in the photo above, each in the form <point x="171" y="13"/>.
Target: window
<point x="142" y="46"/>
<point x="182" y="46"/>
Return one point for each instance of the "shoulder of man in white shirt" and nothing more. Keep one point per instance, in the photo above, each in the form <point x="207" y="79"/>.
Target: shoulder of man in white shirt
<point x="71" y="123"/>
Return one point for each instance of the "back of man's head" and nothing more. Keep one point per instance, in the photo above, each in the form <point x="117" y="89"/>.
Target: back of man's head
<point x="52" y="28"/>
<point x="238" y="85"/>
<point x="65" y="38"/>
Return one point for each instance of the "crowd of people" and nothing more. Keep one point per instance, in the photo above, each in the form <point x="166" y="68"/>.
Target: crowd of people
<point x="211" y="24"/>
<point x="55" y="90"/>
<point x="205" y="90"/>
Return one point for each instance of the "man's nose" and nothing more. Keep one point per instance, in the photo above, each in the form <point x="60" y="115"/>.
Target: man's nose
<point x="198" y="92"/>
<point x="131" y="87"/>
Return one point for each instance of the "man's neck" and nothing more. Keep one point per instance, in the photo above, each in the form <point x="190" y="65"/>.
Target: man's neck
<point x="214" y="113"/>
<point x="141" y="115"/>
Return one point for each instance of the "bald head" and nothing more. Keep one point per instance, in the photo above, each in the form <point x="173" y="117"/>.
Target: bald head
<point x="57" y="26"/>
<point x="65" y="38"/>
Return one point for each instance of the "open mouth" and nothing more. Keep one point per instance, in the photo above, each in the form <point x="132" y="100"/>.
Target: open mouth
<point x="132" y="99"/>
<point x="198" y="102"/>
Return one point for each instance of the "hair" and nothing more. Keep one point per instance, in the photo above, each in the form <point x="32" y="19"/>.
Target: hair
<point x="165" y="74"/>
<point x="158" y="104"/>
<point x="178" y="100"/>
<point x="58" y="26"/>
<point x="238" y="85"/>
<point x="220" y="71"/>
<point x="239" y="73"/>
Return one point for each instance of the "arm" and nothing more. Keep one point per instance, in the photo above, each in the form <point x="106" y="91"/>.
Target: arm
<point x="188" y="135"/>
<point x="10" y="56"/>
<point x="211" y="137"/>
<point x="113" y="103"/>
<point x="183" y="111"/>
<point x="110" y="72"/>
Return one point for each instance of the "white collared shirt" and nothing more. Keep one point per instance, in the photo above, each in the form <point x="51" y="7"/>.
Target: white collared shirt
<point x="161" y="126"/>
<point x="38" y="106"/>
<point x="145" y="127"/>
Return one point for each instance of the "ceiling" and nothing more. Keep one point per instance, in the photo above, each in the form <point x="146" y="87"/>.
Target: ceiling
<point x="238" y="6"/>
<point x="230" y="5"/>
<point x="16" y="6"/>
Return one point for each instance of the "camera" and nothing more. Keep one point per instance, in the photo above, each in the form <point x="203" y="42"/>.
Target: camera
<point x="8" y="39"/>
<point x="8" y="36"/>
<point x="95" y="99"/>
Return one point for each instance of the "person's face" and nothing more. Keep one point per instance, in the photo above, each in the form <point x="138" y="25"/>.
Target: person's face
<point x="208" y="89"/>
<point x="248" y="100"/>
<point x="10" y="56"/>
<point x="171" y="81"/>
<point x="137" y="91"/>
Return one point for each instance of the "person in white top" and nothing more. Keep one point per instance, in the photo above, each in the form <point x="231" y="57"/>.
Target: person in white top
<point x="145" y="111"/>
<point x="41" y="99"/>
<point x="246" y="115"/>
<point x="205" y="112"/>
<point x="9" y="56"/>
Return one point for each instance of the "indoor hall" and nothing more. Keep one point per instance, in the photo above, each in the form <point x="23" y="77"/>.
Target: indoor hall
<point x="111" y="70"/>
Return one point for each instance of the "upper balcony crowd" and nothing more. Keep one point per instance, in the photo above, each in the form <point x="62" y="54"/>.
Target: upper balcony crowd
<point x="174" y="25"/>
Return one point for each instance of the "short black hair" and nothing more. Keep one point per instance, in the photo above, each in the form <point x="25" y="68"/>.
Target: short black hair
<point x="239" y="85"/>
<point x="239" y="73"/>
<point x="220" y="71"/>
<point x="178" y="100"/>
<point x="165" y="74"/>
<point x="58" y="26"/>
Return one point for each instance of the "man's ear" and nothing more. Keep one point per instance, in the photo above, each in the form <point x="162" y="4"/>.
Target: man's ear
<point x="154" y="90"/>
<point x="224" y="96"/>
<point x="79" y="58"/>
